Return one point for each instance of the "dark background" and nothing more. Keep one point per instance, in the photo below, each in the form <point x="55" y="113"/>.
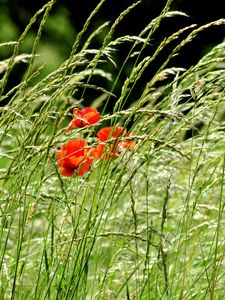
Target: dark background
<point x="68" y="17"/>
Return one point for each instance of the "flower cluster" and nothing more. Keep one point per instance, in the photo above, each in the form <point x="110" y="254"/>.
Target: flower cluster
<point x="76" y="156"/>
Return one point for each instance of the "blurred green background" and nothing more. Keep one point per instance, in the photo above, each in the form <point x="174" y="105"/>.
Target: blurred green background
<point x="68" y="17"/>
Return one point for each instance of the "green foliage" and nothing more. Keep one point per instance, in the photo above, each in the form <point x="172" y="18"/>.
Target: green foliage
<point x="147" y="225"/>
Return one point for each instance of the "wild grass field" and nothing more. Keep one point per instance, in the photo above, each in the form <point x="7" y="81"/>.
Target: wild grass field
<point x="148" y="224"/>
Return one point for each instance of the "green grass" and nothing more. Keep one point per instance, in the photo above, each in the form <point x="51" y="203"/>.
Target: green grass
<point x="147" y="225"/>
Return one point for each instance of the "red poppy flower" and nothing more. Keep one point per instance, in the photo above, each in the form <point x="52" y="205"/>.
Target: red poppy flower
<point x="97" y="151"/>
<point x="115" y="147"/>
<point x="73" y="155"/>
<point x="84" y="117"/>
<point x="107" y="133"/>
<point x="130" y="143"/>
<point x="84" y="166"/>
<point x="110" y="151"/>
<point x="66" y="171"/>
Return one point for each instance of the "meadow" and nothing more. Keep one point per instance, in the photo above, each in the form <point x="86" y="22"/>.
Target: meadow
<point x="146" y="223"/>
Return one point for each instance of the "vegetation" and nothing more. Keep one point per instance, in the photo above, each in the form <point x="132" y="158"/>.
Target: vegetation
<point x="146" y="225"/>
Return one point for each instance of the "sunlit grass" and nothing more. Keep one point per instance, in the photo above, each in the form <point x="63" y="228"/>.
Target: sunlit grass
<point x="147" y="225"/>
